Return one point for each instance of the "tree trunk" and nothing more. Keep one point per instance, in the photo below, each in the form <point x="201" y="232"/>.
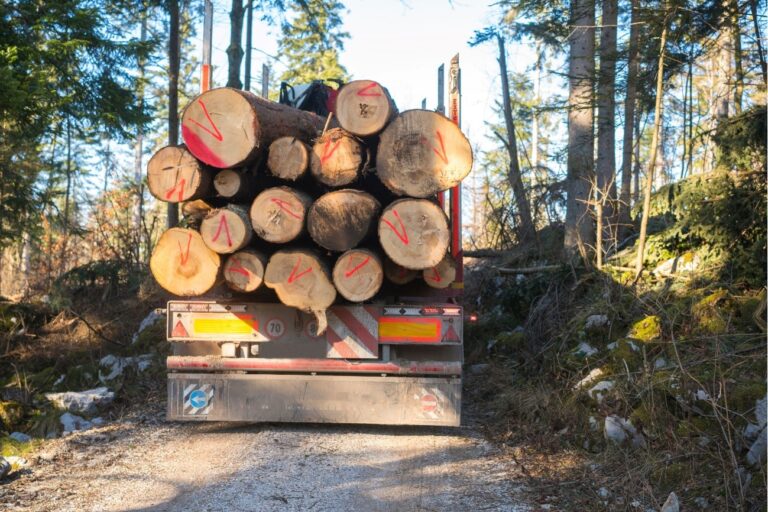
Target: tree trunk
<point x="526" y="230"/>
<point x="441" y="275"/>
<point x="759" y="39"/>
<point x="235" y="48"/>
<point x="358" y="275"/>
<point x="301" y="281"/>
<point x="338" y="158"/>
<point x="226" y="230"/>
<point x="364" y="108"/>
<point x="248" y="43"/>
<point x="738" y="90"/>
<point x="414" y="233"/>
<point x="244" y="271"/>
<point x="340" y="220"/>
<point x="398" y="274"/>
<point x="422" y="153"/>
<point x="227" y="128"/>
<point x="288" y="158"/>
<point x="654" y="144"/>
<point x="579" y="226"/>
<point x="174" y="63"/>
<point x="182" y="264"/>
<point x="606" y="129"/>
<point x="138" y="152"/>
<point x="278" y="214"/>
<point x="175" y="176"/>
<point x="235" y="185"/>
<point x="630" y="103"/>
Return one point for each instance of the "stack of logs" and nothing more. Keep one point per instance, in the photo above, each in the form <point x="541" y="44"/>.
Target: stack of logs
<point x="274" y="195"/>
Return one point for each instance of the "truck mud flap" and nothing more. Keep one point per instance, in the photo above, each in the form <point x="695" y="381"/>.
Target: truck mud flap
<point x="315" y="399"/>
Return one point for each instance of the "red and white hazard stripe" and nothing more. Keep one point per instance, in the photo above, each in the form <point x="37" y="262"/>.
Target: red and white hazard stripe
<point x="353" y="333"/>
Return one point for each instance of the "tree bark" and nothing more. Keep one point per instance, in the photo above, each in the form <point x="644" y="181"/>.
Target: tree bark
<point x="414" y="233"/>
<point x="526" y="230"/>
<point x="338" y="158"/>
<point x="364" y="108"/>
<point x="358" y="275"/>
<point x="235" y="48"/>
<point x="759" y="39"/>
<point x="398" y="274"/>
<point x="248" y="43"/>
<point x="182" y="264"/>
<point x="630" y="102"/>
<point x="340" y="220"/>
<point x="579" y="226"/>
<point x="278" y="214"/>
<point x="138" y="152"/>
<point x="174" y="63"/>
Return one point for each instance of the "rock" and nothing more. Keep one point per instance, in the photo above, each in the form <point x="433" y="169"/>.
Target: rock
<point x="599" y="390"/>
<point x="20" y="437"/>
<point x="97" y="421"/>
<point x="16" y="463"/>
<point x="701" y="502"/>
<point x="596" y="322"/>
<point x="70" y="423"/>
<point x="618" y="430"/>
<point x="5" y="467"/>
<point x="585" y="350"/>
<point x="478" y="369"/>
<point x="616" y="345"/>
<point x="701" y="394"/>
<point x="672" y="504"/>
<point x="756" y="453"/>
<point x="84" y="402"/>
<point x="603" y="493"/>
<point x="751" y="431"/>
<point x="593" y="375"/>
<point x="760" y="411"/>
<point x="646" y="330"/>
<point x="111" y="366"/>
<point x="688" y="262"/>
<point x="148" y="321"/>
<point x="594" y="426"/>
<point x="635" y="504"/>
<point x="660" y="363"/>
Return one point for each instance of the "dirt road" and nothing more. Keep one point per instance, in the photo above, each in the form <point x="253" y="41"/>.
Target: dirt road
<point x="147" y="464"/>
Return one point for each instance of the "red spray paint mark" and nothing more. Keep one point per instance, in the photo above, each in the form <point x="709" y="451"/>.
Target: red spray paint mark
<point x="180" y="186"/>
<point x="200" y="149"/>
<point x="223" y="224"/>
<point x="364" y="90"/>
<point x="326" y="153"/>
<point x="293" y="277"/>
<point x="285" y="206"/>
<point x="238" y="267"/>
<point x="403" y="237"/>
<point x="351" y="272"/>
<point x="435" y="275"/>
<point x="441" y="153"/>
<point x="184" y="255"/>
<point x="216" y="134"/>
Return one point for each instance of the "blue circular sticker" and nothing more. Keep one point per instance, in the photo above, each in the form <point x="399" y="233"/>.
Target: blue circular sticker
<point x="198" y="399"/>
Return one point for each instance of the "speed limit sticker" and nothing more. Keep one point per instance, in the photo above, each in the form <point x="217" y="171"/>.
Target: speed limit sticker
<point x="311" y="329"/>
<point x="275" y="328"/>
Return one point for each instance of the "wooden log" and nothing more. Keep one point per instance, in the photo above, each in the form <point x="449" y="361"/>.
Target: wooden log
<point x="228" y="127"/>
<point x="337" y="158"/>
<point x="397" y="274"/>
<point x="235" y="184"/>
<point x="226" y="230"/>
<point x="414" y="233"/>
<point x="174" y="175"/>
<point x="278" y="214"/>
<point x="341" y="219"/>
<point x="364" y="107"/>
<point x="421" y="153"/>
<point x="441" y="275"/>
<point x="301" y="281"/>
<point x="288" y="158"/>
<point x="244" y="270"/>
<point x="358" y="275"/>
<point x="182" y="264"/>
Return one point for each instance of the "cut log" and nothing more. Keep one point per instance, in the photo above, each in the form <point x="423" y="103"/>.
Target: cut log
<point x="421" y="153"/>
<point x="244" y="270"/>
<point x="414" y="233"/>
<point x="337" y="158"/>
<point x="358" y="275"/>
<point x="397" y="274"/>
<point x="278" y="214"/>
<point x="195" y="211"/>
<point x="226" y="230"/>
<point x="441" y="275"/>
<point x="235" y="184"/>
<point x="227" y="127"/>
<point x="182" y="264"/>
<point x="301" y="281"/>
<point x="340" y="220"/>
<point x="288" y="158"/>
<point x="364" y="107"/>
<point x="175" y="175"/>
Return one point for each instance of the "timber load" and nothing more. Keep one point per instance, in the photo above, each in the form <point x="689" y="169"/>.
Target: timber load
<point x="278" y="199"/>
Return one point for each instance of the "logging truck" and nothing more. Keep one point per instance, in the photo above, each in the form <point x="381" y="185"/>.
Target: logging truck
<point x="320" y="268"/>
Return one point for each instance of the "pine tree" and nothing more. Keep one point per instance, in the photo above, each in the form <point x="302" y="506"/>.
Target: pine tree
<point x="311" y="42"/>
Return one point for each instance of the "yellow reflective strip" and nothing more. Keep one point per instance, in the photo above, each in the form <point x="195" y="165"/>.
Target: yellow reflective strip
<point x="223" y="326"/>
<point x="417" y="330"/>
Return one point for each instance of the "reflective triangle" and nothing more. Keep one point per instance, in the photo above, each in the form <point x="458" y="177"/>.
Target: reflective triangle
<point x="451" y="335"/>
<point x="179" y="331"/>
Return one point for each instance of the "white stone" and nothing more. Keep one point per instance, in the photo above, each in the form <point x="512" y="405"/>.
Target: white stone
<point x="751" y="431"/>
<point x="634" y="504"/>
<point x="599" y="390"/>
<point x="594" y="426"/>
<point x="659" y="363"/>
<point x="618" y="430"/>
<point x="677" y="265"/>
<point x="585" y="350"/>
<point x="59" y="380"/>
<point x="5" y="467"/>
<point x="701" y="502"/>
<point x="672" y="504"/>
<point x="760" y="411"/>
<point x="593" y="375"/>
<point x="701" y="394"/>
<point x="114" y="366"/>
<point x="596" y="321"/>
<point x="82" y="401"/>
<point x="756" y="453"/>
<point x="148" y="321"/>
<point x="603" y="492"/>
<point x="98" y="421"/>
<point x="20" y="437"/>
<point x="70" y="423"/>
<point x="16" y="462"/>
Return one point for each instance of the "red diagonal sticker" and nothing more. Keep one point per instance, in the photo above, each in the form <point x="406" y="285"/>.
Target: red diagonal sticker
<point x="225" y="226"/>
<point x="440" y="153"/>
<point x="364" y="90"/>
<point x="404" y="236"/>
<point x="215" y="133"/>
<point x="185" y="255"/>
<point x="293" y="277"/>
<point x="180" y="186"/>
<point x="285" y="206"/>
<point x="350" y="272"/>
<point x="328" y="154"/>
<point x="236" y="266"/>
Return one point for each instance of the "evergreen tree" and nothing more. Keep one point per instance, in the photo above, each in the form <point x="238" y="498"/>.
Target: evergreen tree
<point x="311" y="42"/>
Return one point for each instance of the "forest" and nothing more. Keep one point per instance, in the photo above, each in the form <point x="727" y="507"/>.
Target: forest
<point x="614" y="223"/>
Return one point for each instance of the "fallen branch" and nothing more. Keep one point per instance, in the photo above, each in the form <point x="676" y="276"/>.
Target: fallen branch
<point x="96" y="331"/>
<point x="528" y="270"/>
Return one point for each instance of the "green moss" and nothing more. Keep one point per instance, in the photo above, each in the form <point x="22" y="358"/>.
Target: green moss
<point x="712" y="313"/>
<point x="627" y="352"/>
<point x="743" y="396"/>
<point x="79" y="377"/>
<point x="11" y="447"/>
<point x="11" y="414"/>
<point x="646" y="330"/>
<point x="44" y="422"/>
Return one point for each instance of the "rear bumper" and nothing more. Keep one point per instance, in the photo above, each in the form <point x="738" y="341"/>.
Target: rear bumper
<point x="264" y="397"/>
